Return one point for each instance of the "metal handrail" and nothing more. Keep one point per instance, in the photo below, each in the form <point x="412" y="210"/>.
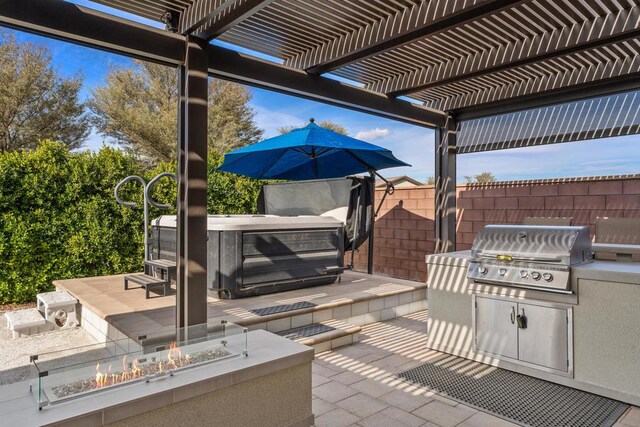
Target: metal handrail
<point x="149" y="186"/>
<point x="133" y="205"/>
<point x="146" y="200"/>
<point x="124" y="181"/>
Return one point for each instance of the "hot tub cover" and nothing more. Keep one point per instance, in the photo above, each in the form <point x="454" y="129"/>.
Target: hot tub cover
<point x="257" y="222"/>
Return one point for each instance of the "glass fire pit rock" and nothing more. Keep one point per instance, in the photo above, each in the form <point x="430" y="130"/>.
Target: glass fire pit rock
<point x="81" y="371"/>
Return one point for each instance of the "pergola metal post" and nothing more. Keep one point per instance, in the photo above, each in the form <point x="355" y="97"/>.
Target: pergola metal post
<point x="180" y="151"/>
<point x="191" y="297"/>
<point x="445" y="176"/>
<point x="372" y="230"/>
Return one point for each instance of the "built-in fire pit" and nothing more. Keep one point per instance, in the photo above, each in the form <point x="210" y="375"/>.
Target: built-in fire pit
<point x="92" y="369"/>
<point x="138" y="369"/>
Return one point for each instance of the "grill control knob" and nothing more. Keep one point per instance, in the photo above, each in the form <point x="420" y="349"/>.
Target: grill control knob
<point x="502" y="271"/>
<point x="547" y="277"/>
<point x="535" y="275"/>
<point x="482" y="270"/>
<point x="523" y="274"/>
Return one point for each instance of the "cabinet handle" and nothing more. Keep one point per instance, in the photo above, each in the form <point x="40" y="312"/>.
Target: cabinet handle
<point x="513" y="315"/>
<point x="522" y="320"/>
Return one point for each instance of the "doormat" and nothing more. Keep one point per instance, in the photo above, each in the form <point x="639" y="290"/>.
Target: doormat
<point x="515" y="397"/>
<point x="305" y="331"/>
<point x="265" y="311"/>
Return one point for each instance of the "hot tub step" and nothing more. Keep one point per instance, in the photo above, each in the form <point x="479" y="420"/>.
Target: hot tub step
<point x="58" y="308"/>
<point x="147" y="282"/>
<point x="29" y="321"/>
<point x="324" y="336"/>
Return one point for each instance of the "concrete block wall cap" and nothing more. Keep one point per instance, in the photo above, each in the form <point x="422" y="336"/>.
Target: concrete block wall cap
<point x="546" y="181"/>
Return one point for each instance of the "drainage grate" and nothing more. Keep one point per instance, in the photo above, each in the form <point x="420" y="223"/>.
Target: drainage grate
<point x="515" y="397"/>
<point x="305" y="331"/>
<point x="282" y="308"/>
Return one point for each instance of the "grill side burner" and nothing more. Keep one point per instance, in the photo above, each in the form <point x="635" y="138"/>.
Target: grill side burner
<point x="538" y="257"/>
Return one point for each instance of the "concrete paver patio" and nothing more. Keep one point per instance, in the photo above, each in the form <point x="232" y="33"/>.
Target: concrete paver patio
<point x="355" y="385"/>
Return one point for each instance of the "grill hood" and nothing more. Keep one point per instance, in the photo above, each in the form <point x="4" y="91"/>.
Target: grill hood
<point x="558" y="245"/>
<point x="530" y="256"/>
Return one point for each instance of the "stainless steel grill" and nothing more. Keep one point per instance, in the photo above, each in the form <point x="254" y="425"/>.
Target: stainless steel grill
<point x="538" y="257"/>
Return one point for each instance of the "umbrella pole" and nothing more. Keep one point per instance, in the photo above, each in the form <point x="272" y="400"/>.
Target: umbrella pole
<point x="372" y="178"/>
<point x="356" y="227"/>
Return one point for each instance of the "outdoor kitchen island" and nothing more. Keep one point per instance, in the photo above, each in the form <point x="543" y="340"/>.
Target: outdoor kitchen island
<point x="594" y="327"/>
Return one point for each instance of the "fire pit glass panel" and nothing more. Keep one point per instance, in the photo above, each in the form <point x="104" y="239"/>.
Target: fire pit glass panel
<point x="81" y="371"/>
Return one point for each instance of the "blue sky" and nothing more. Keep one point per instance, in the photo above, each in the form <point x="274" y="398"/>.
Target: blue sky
<point x="410" y="143"/>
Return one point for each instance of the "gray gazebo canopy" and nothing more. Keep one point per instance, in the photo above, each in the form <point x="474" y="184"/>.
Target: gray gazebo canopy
<point x="486" y="74"/>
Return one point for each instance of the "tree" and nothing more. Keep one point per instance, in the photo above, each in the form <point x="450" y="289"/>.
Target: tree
<point x="325" y="124"/>
<point x="431" y="180"/>
<point x="36" y="102"/>
<point x="57" y="212"/>
<point x="481" y="178"/>
<point x="231" y="123"/>
<point x="138" y="108"/>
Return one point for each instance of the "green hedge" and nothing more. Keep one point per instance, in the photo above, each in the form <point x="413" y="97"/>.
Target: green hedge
<point x="59" y="219"/>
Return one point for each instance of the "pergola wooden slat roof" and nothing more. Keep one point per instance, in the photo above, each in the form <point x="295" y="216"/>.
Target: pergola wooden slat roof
<point x="453" y="56"/>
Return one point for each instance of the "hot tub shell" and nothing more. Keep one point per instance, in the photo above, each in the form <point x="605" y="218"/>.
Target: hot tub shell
<point x="256" y="254"/>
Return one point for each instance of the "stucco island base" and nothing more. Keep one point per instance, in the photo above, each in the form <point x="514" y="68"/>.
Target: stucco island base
<point x="270" y="387"/>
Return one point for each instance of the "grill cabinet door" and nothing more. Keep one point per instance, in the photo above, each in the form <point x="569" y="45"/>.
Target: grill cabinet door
<point x="494" y="331"/>
<point x="544" y="341"/>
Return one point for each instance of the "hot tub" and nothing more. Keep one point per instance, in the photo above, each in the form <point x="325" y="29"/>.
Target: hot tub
<point x="257" y="254"/>
<point x="300" y="240"/>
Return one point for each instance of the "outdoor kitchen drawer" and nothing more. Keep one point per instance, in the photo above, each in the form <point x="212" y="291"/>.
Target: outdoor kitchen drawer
<point x="542" y="341"/>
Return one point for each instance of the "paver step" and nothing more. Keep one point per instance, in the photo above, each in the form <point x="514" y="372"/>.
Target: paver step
<point x="305" y="331"/>
<point x="55" y="299"/>
<point x="58" y="308"/>
<point x="338" y="334"/>
<point x="28" y="321"/>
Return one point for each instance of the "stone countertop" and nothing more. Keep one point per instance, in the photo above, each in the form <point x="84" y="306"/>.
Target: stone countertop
<point x="456" y="259"/>
<point x="609" y="271"/>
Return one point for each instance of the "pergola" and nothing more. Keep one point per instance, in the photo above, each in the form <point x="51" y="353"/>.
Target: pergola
<point x="485" y="74"/>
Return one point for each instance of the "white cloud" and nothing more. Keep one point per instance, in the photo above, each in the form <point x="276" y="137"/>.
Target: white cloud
<point x="373" y="134"/>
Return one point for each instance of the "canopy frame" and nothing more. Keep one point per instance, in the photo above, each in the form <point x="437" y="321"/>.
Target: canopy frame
<point x="427" y="63"/>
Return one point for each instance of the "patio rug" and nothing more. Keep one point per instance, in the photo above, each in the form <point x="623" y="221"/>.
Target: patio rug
<point x="515" y="397"/>
<point x="305" y="331"/>
<point x="265" y="311"/>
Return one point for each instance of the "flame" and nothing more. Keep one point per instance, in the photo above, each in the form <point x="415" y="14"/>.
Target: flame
<point x="174" y="357"/>
<point x="134" y="371"/>
<point x="125" y="374"/>
<point x="99" y="377"/>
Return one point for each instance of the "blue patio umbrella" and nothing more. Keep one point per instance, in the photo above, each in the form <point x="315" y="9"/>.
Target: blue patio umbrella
<point x="311" y="152"/>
